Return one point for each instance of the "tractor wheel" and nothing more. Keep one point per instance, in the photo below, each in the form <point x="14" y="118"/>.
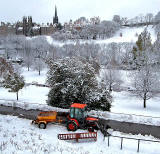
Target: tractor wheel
<point x="42" y="125"/>
<point x="71" y="126"/>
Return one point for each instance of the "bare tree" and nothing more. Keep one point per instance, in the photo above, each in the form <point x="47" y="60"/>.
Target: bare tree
<point x="52" y="51"/>
<point x="149" y="17"/>
<point x="8" y="45"/>
<point x="40" y="47"/>
<point x="111" y="78"/>
<point x="27" y="54"/>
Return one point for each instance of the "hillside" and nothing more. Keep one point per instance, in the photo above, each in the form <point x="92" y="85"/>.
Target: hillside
<point x="129" y="34"/>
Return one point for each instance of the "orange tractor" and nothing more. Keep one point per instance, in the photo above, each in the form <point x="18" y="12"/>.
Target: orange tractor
<point x="77" y="118"/>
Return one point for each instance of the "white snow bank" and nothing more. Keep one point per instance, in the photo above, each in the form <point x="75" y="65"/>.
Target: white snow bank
<point x="29" y="106"/>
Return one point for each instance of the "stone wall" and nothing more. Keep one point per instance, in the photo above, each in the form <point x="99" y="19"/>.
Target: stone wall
<point x="4" y="30"/>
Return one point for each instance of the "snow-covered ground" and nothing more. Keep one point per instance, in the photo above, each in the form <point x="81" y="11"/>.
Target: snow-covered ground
<point x="18" y="136"/>
<point x="33" y="76"/>
<point x="126" y="102"/>
<point x="29" y="94"/>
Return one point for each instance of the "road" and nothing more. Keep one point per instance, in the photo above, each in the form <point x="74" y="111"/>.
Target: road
<point x="125" y="127"/>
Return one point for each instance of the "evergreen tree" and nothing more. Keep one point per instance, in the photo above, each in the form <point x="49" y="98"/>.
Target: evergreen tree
<point x="74" y="80"/>
<point x="156" y="48"/>
<point x="14" y="82"/>
<point x="143" y="44"/>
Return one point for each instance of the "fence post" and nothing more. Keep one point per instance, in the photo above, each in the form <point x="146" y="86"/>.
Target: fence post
<point x="138" y="145"/>
<point x="121" y="142"/>
<point x="108" y="140"/>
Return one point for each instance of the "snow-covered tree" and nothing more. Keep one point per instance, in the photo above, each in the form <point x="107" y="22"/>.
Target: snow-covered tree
<point x="145" y="81"/>
<point x="53" y="52"/>
<point x="14" y="82"/>
<point x="112" y="53"/>
<point x="8" y="45"/>
<point x="117" y="19"/>
<point x="143" y="44"/>
<point x="40" y="47"/>
<point x="149" y="17"/>
<point x="111" y="78"/>
<point x="157" y="17"/>
<point x="74" y="80"/>
<point x="5" y="67"/>
<point x="28" y="54"/>
<point x="156" y="49"/>
<point x="157" y="28"/>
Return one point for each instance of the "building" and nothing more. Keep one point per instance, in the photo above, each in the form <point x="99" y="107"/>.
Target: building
<point x="29" y="28"/>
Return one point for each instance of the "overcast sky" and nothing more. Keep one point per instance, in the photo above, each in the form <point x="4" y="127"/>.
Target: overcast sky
<point x="43" y="10"/>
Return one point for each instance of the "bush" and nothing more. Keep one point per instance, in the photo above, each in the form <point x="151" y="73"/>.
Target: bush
<point x="74" y="80"/>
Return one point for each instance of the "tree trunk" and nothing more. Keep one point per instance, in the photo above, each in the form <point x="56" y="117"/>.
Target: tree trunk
<point x="39" y="70"/>
<point x="17" y="96"/>
<point x="144" y="100"/>
<point x="110" y="88"/>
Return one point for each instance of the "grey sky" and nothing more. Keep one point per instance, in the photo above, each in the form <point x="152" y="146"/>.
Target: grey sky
<point x="43" y="10"/>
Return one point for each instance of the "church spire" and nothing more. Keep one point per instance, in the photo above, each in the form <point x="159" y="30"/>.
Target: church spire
<point x="55" y="19"/>
<point x="55" y="11"/>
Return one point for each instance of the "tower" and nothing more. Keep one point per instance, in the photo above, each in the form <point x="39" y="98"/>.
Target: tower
<point x="55" y="18"/>
<point x="24" y="25"/>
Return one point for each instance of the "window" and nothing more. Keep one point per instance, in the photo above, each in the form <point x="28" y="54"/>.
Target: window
<point x="72" y="112"/>
<point x="76" y="113"/>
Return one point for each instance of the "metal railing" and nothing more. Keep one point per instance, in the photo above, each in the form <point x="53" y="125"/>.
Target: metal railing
<point x="105" y="132"/>
<point x="130" y="138"/>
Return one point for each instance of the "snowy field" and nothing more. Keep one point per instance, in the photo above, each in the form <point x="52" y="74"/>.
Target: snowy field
<point x="18" y="136"/>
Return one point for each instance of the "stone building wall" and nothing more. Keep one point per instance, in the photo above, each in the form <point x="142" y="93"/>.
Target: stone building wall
<point x="5" y="30"/>
<point x="47" y="30"/>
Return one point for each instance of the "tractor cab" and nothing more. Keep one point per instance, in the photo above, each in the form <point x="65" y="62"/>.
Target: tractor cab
<point x="78" y="111"/>
<point x="78" y="117"/>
